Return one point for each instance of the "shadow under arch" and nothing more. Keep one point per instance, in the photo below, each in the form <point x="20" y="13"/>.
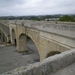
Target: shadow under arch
<point x="35" y="43"/>
<point x="13" y="37"/>
<point x="32" y="45"/>
<point x="52" y="53"/>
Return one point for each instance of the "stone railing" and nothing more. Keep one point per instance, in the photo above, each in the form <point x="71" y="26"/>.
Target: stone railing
<point x="50" y="24"/>
<point x="47" y="66"/>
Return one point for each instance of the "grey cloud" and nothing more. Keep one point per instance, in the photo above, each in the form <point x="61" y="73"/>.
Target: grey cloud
<point x="36" y="7"/>
<point x="7" y="3"/>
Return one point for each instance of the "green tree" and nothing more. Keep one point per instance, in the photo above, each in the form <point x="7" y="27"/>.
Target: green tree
<point x="35" y="18"/>
<point x="67" y="18"/>
<point x="3" y="18"/>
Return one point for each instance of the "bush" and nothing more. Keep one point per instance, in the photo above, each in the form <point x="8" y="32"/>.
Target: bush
<point x="67" y="18"/>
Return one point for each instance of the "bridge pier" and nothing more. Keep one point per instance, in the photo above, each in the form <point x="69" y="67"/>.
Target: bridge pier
<point x="21" y="44"/>
<point x="21" y="48"/>
<point x="13" y="37"/>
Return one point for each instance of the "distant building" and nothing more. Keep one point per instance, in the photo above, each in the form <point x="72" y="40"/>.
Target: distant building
<point x="51" y="19"/>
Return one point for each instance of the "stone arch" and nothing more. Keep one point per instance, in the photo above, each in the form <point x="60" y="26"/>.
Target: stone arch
<point x="13" y="37"/>
<point x="52" y="53"/>
<point x="23" y="42"/>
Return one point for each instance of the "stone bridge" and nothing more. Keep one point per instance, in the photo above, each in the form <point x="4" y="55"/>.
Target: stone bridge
<point x="49" y="37"/>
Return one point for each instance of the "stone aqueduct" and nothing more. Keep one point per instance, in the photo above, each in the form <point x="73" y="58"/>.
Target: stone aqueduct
<point x="47" y="36"/>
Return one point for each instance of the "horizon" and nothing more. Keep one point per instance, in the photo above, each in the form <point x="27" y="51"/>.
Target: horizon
<point x="34" y="15"/>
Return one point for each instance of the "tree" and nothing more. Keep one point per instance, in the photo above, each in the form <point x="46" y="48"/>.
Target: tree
<point x="67" y="18"/>
<point x="35" y="18"/>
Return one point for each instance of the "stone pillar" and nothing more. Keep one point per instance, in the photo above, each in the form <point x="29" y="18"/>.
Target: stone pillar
<point x="13" y="41"/>
<point x="21" y="44"/>
<point x="5" y="40"/>
<point x="13" y="37"/>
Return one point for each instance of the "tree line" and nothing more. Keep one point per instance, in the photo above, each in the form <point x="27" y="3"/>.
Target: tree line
<point x="69" y="18"/>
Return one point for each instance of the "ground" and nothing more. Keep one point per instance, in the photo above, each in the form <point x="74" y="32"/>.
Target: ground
<point x="11" y="59"/>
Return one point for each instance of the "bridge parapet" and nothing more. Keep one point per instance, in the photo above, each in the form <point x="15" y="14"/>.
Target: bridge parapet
<point x="33" y="24"/>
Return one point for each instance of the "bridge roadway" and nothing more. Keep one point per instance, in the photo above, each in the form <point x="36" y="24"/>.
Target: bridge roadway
<point x="5" y="29"/>
<point x="61" y="28"/>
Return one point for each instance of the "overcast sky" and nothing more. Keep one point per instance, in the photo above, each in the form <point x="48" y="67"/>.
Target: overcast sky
<point x="36" y="7"/>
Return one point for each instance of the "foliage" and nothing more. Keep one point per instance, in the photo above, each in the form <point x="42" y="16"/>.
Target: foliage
<point x="39" y="17"/>
<point x="35" y="18"/>
<point x="3" y="18"/>
<point x="67" y="18"/>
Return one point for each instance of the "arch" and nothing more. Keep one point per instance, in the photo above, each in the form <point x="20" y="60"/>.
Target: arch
<point x="23" y="39"/>
<point x="52" y="53"/>
<point x="13" y="37"/>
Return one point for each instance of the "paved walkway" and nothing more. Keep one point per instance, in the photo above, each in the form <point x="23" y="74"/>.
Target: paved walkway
<point x="69" y="70"/>
<point x="10" y="59"/>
